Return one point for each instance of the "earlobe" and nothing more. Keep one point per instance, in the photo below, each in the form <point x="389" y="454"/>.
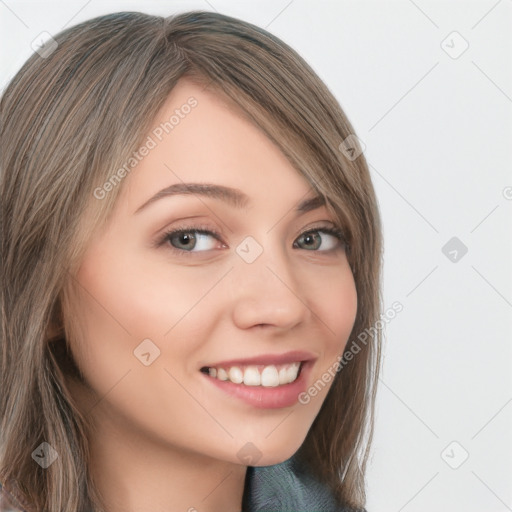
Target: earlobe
<point x="54" y="333"/>
<point x="55" y="329"/>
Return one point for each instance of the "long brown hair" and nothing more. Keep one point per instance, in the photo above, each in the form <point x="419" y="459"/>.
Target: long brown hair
<point x="69" y="120"/>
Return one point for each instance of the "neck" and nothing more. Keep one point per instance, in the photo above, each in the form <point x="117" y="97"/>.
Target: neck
<point x="134" y="475"/>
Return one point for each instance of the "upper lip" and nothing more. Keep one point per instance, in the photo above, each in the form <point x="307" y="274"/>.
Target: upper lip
<point x="266" y="359"/>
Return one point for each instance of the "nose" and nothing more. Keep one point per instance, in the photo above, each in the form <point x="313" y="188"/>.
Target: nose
<point x="268" y="292"/>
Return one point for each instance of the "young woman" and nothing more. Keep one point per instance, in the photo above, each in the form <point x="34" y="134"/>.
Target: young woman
<point x="191" y="249"/>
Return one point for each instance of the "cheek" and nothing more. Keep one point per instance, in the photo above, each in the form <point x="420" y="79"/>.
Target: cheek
<point x="334" y="303"/>
<point x="125" y="298"/>
<point x="117" y="307"/>
<point x="333" y="298"/>
<point x="144" y="296"/>
<point x="342" y="308"/>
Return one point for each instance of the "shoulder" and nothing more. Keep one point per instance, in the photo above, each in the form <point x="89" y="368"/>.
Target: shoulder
<point x="285" y="487"/>
<point x="10" y="500"/>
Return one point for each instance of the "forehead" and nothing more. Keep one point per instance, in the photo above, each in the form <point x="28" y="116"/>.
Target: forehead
<point x="199" y="136"/>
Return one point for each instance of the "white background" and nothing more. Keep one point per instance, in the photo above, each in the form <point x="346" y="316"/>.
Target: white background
<point x="438" y="136"/>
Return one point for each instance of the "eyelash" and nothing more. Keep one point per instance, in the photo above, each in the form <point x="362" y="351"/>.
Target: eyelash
<point x="206" y="230"/>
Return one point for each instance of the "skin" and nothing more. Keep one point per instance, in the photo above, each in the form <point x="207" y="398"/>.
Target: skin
<point x="167" y="439"/>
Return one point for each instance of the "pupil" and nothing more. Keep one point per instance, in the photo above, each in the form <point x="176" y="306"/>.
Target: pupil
<point x="185" y="239"/>
<point x="310" y="239"/>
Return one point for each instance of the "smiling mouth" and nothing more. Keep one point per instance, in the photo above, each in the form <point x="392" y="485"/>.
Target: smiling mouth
<point x="272" y="375"/>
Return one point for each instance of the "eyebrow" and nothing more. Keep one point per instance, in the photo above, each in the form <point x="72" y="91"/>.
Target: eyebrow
<point x="232" y="196"/>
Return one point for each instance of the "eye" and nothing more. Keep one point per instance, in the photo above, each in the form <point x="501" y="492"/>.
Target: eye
<point x="186" y="240"/>
<point x="313" y="240"/>
<point x="202" y="238"/>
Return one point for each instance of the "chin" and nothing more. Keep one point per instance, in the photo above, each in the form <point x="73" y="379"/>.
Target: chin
<point x="269" y="451"/>
<point x="274" y="459"/>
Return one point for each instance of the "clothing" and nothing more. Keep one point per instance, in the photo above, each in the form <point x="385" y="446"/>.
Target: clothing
<point x="285" y="487"/>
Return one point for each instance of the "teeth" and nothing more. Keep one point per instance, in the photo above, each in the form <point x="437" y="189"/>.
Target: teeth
<point x="221" y="374"/>
<point x="287" y="374"/>
<point x="252" y="376"/>
<point x="270" y="377"/>
<point x="266" y="376"/>
<point x="236" y="375"/>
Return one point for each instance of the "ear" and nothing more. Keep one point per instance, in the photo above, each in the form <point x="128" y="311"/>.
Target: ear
<point x="54" y="333"/>
<point x="55" y="329"/>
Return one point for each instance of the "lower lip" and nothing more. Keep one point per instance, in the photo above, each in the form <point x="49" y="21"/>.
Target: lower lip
<point x="262" y="397"/>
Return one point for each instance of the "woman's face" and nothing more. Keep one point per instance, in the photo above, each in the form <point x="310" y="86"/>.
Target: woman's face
<point x="164" y="317"/>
